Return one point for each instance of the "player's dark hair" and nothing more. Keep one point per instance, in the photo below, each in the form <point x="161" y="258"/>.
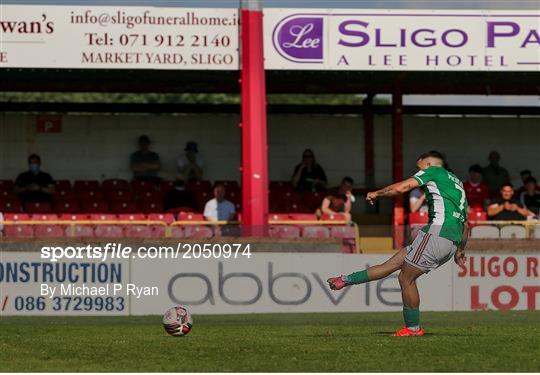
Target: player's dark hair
<point x="475" y="168"/>
<point x="348" y="179"/>
<point x="34" y="156"/>
<point x="432" y="154"/>
<point x="507" y="184"/>
<point x="525" y="171"/>
<point x="144" y="139"/>
<point x="529" y="180"/>
<point x="217" y="184"/>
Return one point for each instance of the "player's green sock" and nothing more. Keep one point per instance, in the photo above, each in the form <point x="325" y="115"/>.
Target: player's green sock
<point x="359" y="277"/>
<point x="411" y="317"/>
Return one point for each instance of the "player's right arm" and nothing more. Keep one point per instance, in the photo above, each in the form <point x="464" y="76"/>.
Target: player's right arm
<point x="393" y="190"/>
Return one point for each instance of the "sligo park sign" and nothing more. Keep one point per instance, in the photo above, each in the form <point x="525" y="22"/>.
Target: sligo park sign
<point x="126" y="37"/>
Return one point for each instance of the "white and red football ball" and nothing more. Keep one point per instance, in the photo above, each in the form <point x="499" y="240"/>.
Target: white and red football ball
<point x="177" y="321"/>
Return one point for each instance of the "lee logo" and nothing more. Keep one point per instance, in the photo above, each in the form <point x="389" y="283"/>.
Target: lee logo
<point x="300" y="39"/>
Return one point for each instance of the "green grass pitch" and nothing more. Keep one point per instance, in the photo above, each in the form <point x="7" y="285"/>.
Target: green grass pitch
<point x="455" y="341"/>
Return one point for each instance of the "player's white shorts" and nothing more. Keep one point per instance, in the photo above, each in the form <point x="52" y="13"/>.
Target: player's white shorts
<point x="429" y="251"/>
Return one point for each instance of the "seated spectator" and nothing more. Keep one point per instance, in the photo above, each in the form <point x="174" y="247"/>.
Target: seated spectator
<point x="494" y="176"/>
<point x="219" y="208"/>
<point x="417" y="201"/>
<point x="525" y="174"/>
<point x="308" y="175"/>
<point x="180" y="197"/>
<point x="530" y="198"/>
<point x="506" y="207"/>
<point x="339" y="199"/>
<point x="190" y="165"/>
<point x="34" y="185"/>
<point x="145" y="164"/>
<point x="476" y="191"/>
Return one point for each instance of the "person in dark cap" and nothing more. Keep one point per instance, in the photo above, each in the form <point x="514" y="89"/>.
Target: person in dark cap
<point x="190" y="165"/>
<point x="145" y="164"/>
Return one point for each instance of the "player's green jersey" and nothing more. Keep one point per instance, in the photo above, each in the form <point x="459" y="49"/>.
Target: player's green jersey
<point x="446" y="200"/>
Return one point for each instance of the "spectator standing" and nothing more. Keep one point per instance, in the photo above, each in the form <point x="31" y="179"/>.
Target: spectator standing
<point x="530" y="198"/>
<point x="34" y="185"/>
<point x="506" y="207"/>
<point x="477" y="192"/>
<point x="525" y="174"/>
<point x="494" y="175"/>
<point x="308" y="175"/>
<point x="339" y="199"/>
<point x="219" y="208"/>
<point x="180" y="197"/>
<point x="145" y="164"/>
<point x="190" y="165"/>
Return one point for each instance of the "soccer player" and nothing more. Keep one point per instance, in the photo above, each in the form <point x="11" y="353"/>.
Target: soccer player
<point x="444" y="237"/>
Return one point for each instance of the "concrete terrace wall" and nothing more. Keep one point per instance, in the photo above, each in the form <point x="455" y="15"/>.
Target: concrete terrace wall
<point x="98" y="146"/>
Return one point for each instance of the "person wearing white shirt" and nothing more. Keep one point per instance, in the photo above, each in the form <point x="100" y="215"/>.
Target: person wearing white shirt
<point x="219" y="208"/>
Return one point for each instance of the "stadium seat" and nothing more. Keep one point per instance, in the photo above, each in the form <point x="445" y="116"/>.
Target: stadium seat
<point x="43" y="217"/>
<point x="13" y="216"/>
<point x="190" y="216"/>
<point x="177" y="231"/>
<point x="115" y="184"/>
<point x="79" y="231"/>
<point x="279" y="217"/>
<point x="124" y="207"/>
<point x="150" y="195"/>
<point x="485" y="231"/>
<point x="62" y="185"/>
<point x="198" y="231"/>
<point x="137" y="231"/>
<point x="91" y="195"/>
<point x="315" y="231"/>
<point x="80" y="185"/>
<point x="284" y="231"/>
<point x="142" y="186"/>
<point x="201" y="197"/>
<point x="342" y="231"/>
<point x="132" y="217"/>
<point x="8" y="195"/>
<point x="67" y="205"/>
<point x="333" y="217"/>
<point x="477" y="216"/>
<point x="166" y="186"/>
<point x="303" y="217"/>
<point x="10" y="206"/>
<point x="235" y="196"/>
<point x="536" y="232"/>
<point x="418" y="217"/>
<point x="150" y="206"/>
<point x="37" y="207"/>
<point x="7" y="185"/>
<point x="19" y="231"/>
<point x="64" y="194"/>
<point x="203" y="185"/>
<point x="280" y="186"/>
<point x="74" y="216"/>
<point x="312" y="200"/>
<point x="48" y="231"/>
<point x="513" y="231"/>
<point x="103" y="217"/>
<point x="120" y="196"/>
<point x="95" y="206"/>
<point x="167" y="218"/>
<point x="157" y="231"/>
<point x="108" y="231"/>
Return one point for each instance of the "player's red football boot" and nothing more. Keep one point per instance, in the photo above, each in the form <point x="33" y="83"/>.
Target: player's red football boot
<point x="406" y="331"/>
<point x="337" y="283"/>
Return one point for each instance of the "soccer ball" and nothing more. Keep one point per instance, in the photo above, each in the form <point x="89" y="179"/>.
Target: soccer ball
<point x="177" y="321"/>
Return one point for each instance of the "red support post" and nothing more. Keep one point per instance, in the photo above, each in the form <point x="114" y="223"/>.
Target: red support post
<point x="254" y="138"/>
<point x="398" y="217"/>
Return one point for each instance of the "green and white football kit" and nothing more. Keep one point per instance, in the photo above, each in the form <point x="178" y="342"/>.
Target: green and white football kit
<point x="437" y="242"/>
